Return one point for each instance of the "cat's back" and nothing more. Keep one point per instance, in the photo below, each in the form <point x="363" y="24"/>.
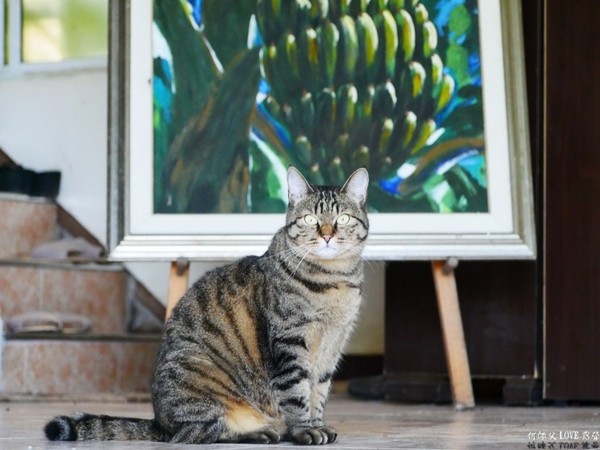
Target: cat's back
<point x="230" y="283"/>
<point x="221" y="293"/>
<point x="218" y="317"/>
<point x="215" y="326"/>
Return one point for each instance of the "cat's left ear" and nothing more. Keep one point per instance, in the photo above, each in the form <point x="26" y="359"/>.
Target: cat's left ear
<point x="357" y="185"/>
<point x="298" y="187"/>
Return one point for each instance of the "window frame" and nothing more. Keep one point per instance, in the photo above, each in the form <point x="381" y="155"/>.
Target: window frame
<point x="12" y="65"/>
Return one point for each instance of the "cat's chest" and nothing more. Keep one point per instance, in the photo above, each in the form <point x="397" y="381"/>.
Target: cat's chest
<point x="336" y="314"/>
<point x="338" y="305"/>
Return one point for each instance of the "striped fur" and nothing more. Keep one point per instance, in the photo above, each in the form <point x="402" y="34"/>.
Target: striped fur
<point x="249" y="352"/>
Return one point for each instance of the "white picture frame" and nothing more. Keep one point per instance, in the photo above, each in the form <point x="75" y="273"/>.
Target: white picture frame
<point x="135" y="232"/>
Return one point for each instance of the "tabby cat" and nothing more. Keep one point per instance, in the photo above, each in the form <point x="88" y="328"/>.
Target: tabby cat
<point x="249" y="351"/>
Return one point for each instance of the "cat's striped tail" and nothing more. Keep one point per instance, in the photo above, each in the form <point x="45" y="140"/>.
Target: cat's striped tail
<point x="81" y="427"/>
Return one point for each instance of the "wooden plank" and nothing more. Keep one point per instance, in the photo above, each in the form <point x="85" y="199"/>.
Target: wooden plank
<point x="572" y="194"/>
<point x="453" y="334"/>
<point x="178" y="283"/>
<point x="412" y="320"/>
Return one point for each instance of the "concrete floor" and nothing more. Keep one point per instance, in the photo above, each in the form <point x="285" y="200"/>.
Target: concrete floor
<point x="362" y="425"/>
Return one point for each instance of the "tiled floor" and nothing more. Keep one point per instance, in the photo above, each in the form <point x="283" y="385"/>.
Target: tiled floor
<point x="362" y="425"/>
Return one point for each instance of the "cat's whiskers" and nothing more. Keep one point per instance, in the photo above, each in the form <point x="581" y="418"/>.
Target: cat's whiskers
<point x="305" y="250"/>
<point x="290" y="255"/>
<point x="354" y="249"/>
<point x="370" y="263"/>
<point x="308" y="252"/>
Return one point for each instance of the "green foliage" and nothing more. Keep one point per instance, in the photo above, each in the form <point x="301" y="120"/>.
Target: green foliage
<point x="370" y="83"/>
<point x="225" y="25"/>
<point x="60" y="30"/>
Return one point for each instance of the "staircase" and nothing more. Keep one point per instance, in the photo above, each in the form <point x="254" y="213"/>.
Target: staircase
<point x="107" y="362"/>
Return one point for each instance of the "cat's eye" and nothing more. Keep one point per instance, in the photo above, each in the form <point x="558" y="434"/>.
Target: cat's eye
<point x="343" y="219"/>
<point x="310" y="220"/>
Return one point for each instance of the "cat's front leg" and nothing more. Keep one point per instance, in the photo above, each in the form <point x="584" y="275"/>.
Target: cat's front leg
<point x="314" y="436"/>
<point x="318" y="400"/>
<point x="319" y="396"/>
<point x="293" y="390"/>
<point x="291" y="382"/>
<point x="303" y="410"/>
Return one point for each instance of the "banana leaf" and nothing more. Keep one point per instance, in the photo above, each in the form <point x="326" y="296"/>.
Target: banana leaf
<point x="203" y="156"/>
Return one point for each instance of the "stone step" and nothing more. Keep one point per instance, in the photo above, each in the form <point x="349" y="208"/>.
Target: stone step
<point x="103" y="363"/>
<point x="96" y="291"/>
<point x="26" y="223"/>
<point x="78" y="367"/>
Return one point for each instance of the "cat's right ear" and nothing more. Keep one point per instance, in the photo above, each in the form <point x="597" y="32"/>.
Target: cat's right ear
<point x="298" y="187"/>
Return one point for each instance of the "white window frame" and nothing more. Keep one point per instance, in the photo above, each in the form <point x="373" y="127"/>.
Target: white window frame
<point x="15" y="67"/>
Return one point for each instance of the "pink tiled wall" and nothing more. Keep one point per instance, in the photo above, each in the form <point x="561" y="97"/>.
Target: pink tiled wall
<point x="83" y="366"/>
<point x="25" y="224"/>
<point x="97" y="294"/>
<point x="77" y="368"/>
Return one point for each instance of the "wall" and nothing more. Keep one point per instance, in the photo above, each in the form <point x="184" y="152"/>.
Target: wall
<point x="59" y="121"/>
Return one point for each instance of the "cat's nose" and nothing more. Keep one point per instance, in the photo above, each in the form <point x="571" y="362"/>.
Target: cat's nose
<point x="327" y="232"/>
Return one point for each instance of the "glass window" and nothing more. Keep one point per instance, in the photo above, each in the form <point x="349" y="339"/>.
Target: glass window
<point x="59" y="30"/>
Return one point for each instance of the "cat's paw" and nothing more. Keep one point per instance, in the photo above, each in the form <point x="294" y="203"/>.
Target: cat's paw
<point x="264" y="436"/>
<point x="314" y="436"/>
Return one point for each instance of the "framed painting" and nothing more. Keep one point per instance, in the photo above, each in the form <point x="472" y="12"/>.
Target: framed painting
<point x="212" y="100"/>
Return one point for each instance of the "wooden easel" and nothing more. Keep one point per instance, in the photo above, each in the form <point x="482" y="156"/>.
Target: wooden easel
<point x="447" y="299"/>
<point x="453" y="334"/>
<point x="178" y="283"/>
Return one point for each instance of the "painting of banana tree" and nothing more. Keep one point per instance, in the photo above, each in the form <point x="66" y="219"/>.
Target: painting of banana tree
<point x="325" y="85"/>
<point x="222" y="96"/>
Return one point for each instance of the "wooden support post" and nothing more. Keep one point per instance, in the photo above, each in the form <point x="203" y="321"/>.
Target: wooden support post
<point x="453" y="334"/>
<point x="178" y="283"/>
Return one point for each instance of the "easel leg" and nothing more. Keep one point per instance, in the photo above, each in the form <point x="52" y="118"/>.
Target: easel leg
<point x="178" y="283"/>
<point x="454" y="338"/>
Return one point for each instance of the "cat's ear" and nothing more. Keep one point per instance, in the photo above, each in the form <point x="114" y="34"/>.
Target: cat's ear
<point x="357" y="185"/>
<point x="298" y="187"/>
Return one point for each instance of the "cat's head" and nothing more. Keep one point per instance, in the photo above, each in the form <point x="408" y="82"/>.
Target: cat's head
<point x="327" y="222"/>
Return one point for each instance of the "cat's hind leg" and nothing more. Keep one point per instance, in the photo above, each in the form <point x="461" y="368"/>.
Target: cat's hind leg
<point x="244" y="423"/>
<point x="198" y="432"/>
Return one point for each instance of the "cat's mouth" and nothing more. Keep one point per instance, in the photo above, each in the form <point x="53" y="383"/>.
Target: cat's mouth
<point x="330" y="249"/>
<point x="327" y="249"/>
<point x="327" y="252"/>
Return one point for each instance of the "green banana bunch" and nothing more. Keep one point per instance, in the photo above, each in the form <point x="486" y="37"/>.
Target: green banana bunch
<point x="356" y="82"/>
